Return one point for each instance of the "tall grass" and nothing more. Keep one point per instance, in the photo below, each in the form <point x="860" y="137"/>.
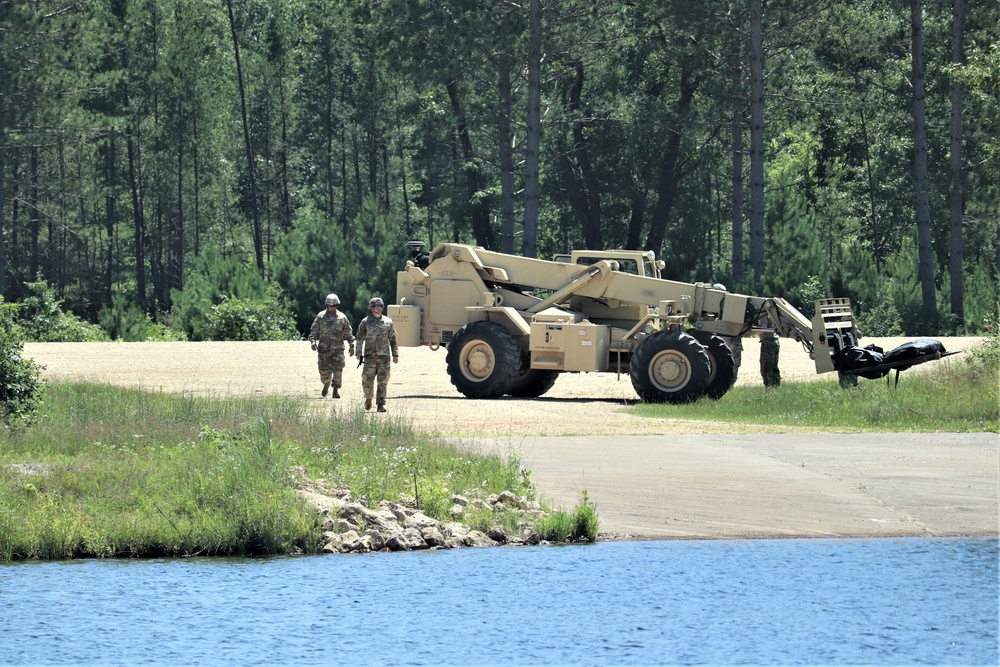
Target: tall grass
<point x="118" y="472"/>
<point x="955" y="397"/>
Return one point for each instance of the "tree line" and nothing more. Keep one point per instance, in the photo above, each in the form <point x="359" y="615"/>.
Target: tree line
<point x="163" y="160"/>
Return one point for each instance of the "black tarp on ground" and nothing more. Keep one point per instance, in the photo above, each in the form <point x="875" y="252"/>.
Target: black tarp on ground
<point x="855" y="360"/>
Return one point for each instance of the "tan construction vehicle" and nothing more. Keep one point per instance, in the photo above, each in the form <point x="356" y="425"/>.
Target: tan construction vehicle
<point x="511" y="324"/>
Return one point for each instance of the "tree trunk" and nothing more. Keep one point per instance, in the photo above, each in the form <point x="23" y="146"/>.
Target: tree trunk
<point x="737" y="162"/>
<point x="670" y="175"/>
<point x="139" y="223"/>
<point x="533" y="140"/>
<point x="584" y="191"/>
<point x="955" y="191"/>
<point x="3" y="192"/>
<point x="35" y="223"/>
<point x="637" y="211"/>
<point x="480" y="212"/>
<point x="923" y="209"/>
<point x="505" y="143"/>
<point x="756" y="142"/>
<point x="258" y="241"/>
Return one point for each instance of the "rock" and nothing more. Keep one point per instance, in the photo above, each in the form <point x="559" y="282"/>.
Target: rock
<point x="497" y="535"/>
<point x="406" y="540"/>
<point x="420" y="521"/>
<point x="433" y="537"/>
<point x="321" y="502"/>
<point x="459" y="500"/>
<point x="332" y="543"/>
<point x="477" y="538"/>
<point x="508" y="499"/>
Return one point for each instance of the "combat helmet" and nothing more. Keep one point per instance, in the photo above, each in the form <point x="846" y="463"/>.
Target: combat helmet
<point x="375" y="301"/>
<point x="332" y="300"/>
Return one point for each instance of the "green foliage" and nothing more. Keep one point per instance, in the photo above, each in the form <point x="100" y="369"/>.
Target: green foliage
<point x="578" y="525"/>
<point x="43" y="321"/>
<point x="216" y="277"/>
<point x="125" y="321"/>
<point x="317" y="258"/>
<point x="982" y="299"/>
<point x="253" y="319"/>
<point x="987" y="354"/>
<point x="797" y="268"/>
<point x="358" y="145"/>
<point x="21" y="386"/>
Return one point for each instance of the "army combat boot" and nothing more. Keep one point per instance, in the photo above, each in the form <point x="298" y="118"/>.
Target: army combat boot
<point x="368" y="404"/>
<point x="381" y="407"/>
<point x="326" y="390"/>
<point x="336" y="394"/>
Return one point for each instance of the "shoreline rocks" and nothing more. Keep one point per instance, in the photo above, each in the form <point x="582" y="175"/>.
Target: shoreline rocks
<point x="352" y="526"/>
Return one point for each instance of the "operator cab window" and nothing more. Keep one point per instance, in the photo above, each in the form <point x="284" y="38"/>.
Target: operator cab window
<point x="624" y="265"/>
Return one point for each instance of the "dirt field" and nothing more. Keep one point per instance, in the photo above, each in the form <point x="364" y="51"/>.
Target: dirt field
<point x="578" y="404"/>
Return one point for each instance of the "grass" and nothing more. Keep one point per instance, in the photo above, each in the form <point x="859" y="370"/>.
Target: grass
<point x="956" y="397"/>
<point x="113" y="472"/>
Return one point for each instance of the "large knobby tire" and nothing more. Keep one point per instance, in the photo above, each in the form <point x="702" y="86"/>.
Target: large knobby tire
<point x="483" y="360"/>
<point x="670" y="367"/>
<point x="532" y="382"/>
<point x="723" y="375"/>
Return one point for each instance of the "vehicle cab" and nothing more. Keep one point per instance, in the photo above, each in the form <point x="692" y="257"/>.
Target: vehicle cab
<point x="636" y="262"/>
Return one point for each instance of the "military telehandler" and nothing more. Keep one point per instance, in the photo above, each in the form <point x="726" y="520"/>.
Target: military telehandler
<point x="511" y="324"/>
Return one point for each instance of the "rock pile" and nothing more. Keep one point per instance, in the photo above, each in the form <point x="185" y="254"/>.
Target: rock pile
<point x="354" y="527"/>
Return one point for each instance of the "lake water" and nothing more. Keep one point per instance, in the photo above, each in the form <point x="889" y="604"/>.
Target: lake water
<point x="818" y="602"/>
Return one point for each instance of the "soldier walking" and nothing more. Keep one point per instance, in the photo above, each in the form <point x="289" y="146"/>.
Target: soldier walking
<point x="376" y="342"/>
<point x="328" y="332"/>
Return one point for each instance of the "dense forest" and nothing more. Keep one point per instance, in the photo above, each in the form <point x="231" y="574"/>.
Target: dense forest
<point x="166" y="164"/>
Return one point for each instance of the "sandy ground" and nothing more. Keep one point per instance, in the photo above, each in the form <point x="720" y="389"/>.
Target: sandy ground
<point x="578" y="404"/>
<point x="648" y="477"/>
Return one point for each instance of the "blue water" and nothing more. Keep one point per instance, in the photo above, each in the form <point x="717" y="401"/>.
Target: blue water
<point x="818" y="602"/>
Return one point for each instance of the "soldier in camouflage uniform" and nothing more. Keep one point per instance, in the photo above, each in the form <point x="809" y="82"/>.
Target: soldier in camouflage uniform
<point x="328" y="332"/>
<point x="376" y="341"/>
<point x="769" y="349"/>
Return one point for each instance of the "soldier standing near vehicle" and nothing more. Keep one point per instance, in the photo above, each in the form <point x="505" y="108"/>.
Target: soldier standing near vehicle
<point x="769" y="348"/>
<point x="328" y="332"/>
<point x="376" y="342"/>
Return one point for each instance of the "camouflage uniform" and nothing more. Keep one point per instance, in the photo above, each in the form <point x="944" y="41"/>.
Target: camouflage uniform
<point x="769" y="348"/>
<point x="376" y="341"/>
<point x="329" y="330"/>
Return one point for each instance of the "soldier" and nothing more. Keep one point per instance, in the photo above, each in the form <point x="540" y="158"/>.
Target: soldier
<point x="328" y="332"/>
<point x="769" y="348"/>
<point x="376" y="341"/>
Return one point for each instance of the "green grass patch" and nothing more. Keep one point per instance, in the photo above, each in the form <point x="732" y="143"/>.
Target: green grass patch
<point x="113" y="472"/>
<point x="578" y="525"/>
<point x="955" y="397"/>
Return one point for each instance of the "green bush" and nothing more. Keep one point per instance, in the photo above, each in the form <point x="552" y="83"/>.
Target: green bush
<point x="215" y="277"/>
<point x="124" y="320"/>
<point x="579" y="525"/>
<point x="43" y="320"/>
<point x="253" y="319"/>
<point x="21" y="387"/>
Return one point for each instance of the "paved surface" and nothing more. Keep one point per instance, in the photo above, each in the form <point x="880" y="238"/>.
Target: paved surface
<point x="773" y="485"/>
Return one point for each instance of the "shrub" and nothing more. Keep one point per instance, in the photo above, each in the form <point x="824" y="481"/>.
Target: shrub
<point x="43" y="320"/>
<point x="20" y="384"/>
<point x="253" y="319"/>
<point x="125" y="320"/>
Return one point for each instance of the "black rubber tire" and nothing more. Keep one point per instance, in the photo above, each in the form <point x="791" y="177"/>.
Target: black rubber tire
<point x="483" y="360"/>
<point x="724" y="370"/>
<point x="670" y="367"/>
<point x="532" y="382"/>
